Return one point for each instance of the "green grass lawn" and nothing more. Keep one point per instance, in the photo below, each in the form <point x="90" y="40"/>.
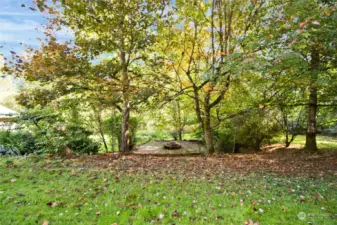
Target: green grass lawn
<point x="73" y="193"/>
<point x="323" y="142"/>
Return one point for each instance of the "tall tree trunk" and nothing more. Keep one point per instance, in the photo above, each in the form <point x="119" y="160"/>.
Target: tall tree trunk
<point x="180" y="123"/>
<point x="286" y="127"/>
<point x="310" y="143"/>
<point x="287" y="143"/>
<point x="207" y="120"/>
<point x="112" y="141"/>
<point x="180" y="134"/>
<point x="208" y="130"/>
<point x="125" y="139"/>
<point x="104" y="142"/>
<point x="208" y="138"/>
<point x="125" y="145"/>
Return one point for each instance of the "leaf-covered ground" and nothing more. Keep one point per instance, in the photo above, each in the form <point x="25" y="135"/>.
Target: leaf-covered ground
<point x="275" y="159"/>
<point x="287" y="187"/>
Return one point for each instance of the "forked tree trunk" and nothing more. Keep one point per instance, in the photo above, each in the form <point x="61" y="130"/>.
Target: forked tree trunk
<point x="287" y="143"/>
<point x="288" y="140"/>
<point x="310" y="143"/>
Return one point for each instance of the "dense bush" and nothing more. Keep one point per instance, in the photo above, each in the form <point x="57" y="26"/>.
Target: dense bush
<point x="71" y="138"/>
<point x="18" y="142"/>
<point x="248" y="132"/>
<point x="224" y="141"/>
<point x="255" y="129"/>
<point x="56" y="134"/>
<point x="61" y="138"/>
<point x="77" y="140"/>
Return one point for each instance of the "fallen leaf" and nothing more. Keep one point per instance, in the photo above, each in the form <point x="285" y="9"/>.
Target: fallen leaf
<point x="302" y="24"/>
<point x="52" y="204"/>
<point x="250" y="222"/>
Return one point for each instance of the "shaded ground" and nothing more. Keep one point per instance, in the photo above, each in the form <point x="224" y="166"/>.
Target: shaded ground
<point x="157" y="148"/>
<point x="286" y="161"/>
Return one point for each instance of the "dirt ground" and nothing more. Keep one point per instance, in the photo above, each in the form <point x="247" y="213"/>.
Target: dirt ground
<point x="274" y="159"/>
<point x="157" y="148"/>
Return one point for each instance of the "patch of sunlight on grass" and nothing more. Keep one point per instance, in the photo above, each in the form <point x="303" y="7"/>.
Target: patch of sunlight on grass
<point x="323" y="142"/>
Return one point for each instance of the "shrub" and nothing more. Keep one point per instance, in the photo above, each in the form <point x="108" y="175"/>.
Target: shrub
<point x="18" y="142"/>
<point x="224" y="141"/>
<point x="60" y="138"/>
<point x="77" y="140"/>
<point x="54" y="134"/>
<point x="256" y="128"/>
